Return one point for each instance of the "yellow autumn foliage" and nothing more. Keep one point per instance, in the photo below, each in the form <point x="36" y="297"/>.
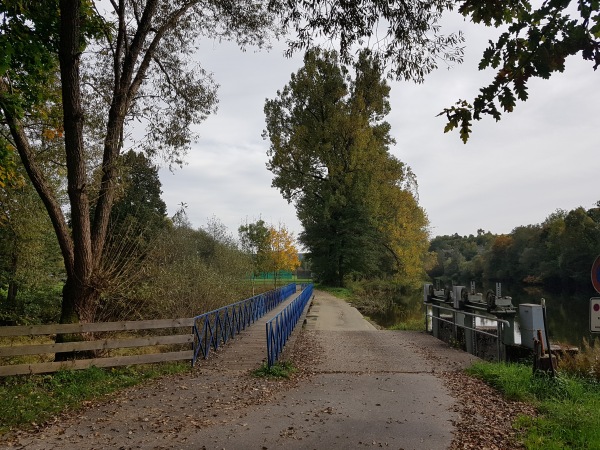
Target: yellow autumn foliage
<point x="282" y="253"/>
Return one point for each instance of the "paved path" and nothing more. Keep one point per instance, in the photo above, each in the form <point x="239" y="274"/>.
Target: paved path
<point x="367" y="388"/>
<point x="331" y="313"/>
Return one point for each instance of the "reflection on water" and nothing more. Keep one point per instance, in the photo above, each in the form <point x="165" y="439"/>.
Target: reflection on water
<point x="567" y="314"/>
<point x="402" y="309"/>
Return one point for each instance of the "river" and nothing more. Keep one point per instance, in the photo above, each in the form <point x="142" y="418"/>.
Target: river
<point x="568" y="315"/>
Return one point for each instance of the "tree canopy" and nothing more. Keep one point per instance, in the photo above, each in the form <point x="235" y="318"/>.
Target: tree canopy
<point x="138" y="203"/>
<point x="535" y="44"/>
<point x="558" y="253"/>
<point x="273" y="249"/>
<point x="31" y="269"/>
<point x="100" y="66"/>
<point x="282" y="254"/>
<point x="404" y="34"/>
<point x="255" y="240"/>
<point x="329" y="155"/>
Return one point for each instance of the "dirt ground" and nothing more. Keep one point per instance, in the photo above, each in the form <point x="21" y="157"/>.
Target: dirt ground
<point x="355" y="387"/>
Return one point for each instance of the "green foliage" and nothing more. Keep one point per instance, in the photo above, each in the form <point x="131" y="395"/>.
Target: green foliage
<point x="406" y="34"/>
<point x="389" y="304"/>
<point x="255" y="240"/>
<point x="140" y="196"/>
<point x="27" y="401"/>
<point x="34" y="304"/>
<point x="137" y="221"/>
<point x="116" y="64"/>
<point x="28" y="37"/>
<point x="329" y="154"/>
<point x="8" y="175"/>
<point x="281" y="369"/>
<point x="386" y="302"/>
<point x="345" y="293"/>
<point x="512" y="379"/>
<point x="557" y="253"/>
<point x="413" y="324"/>
<point x="282" y="254"/>
<point x="273" y="250"/>
<point x="536" y="43"/>
<point x="568" y="406"/>
<point x="187" y="272"/>
<point x="585" y="363"/>
<point x="31" y="269"/>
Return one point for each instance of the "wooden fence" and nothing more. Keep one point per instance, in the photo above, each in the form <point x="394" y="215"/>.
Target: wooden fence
<point x="94" y="345"/>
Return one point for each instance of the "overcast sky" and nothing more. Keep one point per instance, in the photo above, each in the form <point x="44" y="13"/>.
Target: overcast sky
<point x="541" y="157"/>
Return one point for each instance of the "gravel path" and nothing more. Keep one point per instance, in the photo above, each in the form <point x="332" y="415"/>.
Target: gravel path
<point x="354" y="389"/>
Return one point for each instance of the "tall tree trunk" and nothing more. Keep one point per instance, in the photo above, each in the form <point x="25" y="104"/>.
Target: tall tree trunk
<point x="79" y="305"/>
<point x="341" y="271"/>
<point x="11" y="295"/>
<point x="76" y="293"/>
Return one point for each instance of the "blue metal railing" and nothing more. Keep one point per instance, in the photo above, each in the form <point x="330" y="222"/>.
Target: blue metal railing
<point x="215" y="328"/>
<point x="280" y="327"/>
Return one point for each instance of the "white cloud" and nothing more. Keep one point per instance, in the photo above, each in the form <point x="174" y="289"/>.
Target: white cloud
<point x="515" y="172"/>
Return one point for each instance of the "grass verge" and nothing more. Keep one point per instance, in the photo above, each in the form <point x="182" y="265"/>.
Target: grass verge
<point x="28" y="401"/>
<point x="568" y="406"/>
<point x="411" y="324"/>
<point x="283" y="369"/>
<point x="339" y="292"/>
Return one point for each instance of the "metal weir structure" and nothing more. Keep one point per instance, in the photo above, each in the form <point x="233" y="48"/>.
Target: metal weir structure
<point x="452" y="314"/>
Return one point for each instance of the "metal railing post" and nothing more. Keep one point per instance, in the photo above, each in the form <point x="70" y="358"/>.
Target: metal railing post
<point x="469" y="322"/>
<point x="435" y="321"/>
<point x="499" y="342"/>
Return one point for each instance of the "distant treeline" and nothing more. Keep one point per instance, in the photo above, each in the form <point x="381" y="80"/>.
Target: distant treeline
<point x="557" y="253"/>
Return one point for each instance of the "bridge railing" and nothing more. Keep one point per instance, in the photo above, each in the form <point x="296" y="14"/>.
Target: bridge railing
<point x="459" y="319"/>
<point x="215" y="328"/>
<point x="280" y="327"/>
<point x="304" y="285"/>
